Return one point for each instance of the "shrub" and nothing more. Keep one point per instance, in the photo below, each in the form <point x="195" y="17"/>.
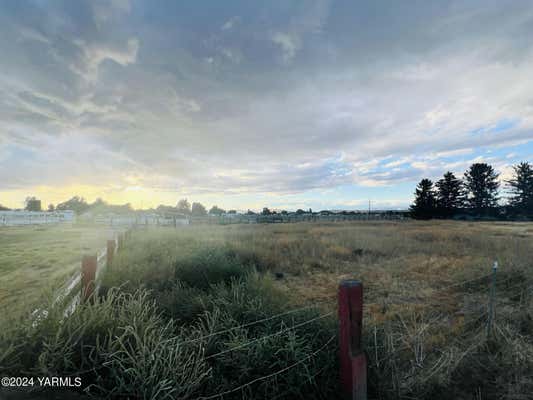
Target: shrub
<point x="208" y="267"/>
<point x="182" y="303"/>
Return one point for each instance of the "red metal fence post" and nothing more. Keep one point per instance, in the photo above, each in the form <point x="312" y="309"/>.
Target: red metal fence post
<point x="352" y="358"/>
<point x="110" y="251"/>
<point x="88" y="274"/>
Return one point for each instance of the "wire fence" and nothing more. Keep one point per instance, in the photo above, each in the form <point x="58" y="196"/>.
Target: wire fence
<point x="422" y="300"/>
<point x="271" y="375"/>
<point x="475" y="327"/>
<point x="249" y="324"/>
<point x="482" y="313"/>
<point x="280" y="332"/>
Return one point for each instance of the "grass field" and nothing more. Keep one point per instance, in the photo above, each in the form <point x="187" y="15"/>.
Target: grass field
<point x="36" y="258"/>
<point x="426" y="296"/>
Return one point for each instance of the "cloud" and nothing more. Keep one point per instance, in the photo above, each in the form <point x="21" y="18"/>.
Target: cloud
<point x="95" y="54"/>
<point x="230" y="23"/>
<point x="279" y="98"/>
<point x="289" y="45"/>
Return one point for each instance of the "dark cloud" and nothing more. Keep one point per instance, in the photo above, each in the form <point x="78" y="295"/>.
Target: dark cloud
<point x="257" y="97"/>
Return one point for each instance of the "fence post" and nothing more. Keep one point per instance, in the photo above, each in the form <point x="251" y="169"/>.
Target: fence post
<point x="352" y="358"/>
<point x="88" y="274"/>
<point x="110" y="251"/>
<point x="492" y="298"/>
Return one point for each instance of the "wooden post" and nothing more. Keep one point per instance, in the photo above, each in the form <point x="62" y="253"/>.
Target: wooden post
<point x="352" y="358"/>
<point x="110" y="251"/>
<point x="88" y="274"/>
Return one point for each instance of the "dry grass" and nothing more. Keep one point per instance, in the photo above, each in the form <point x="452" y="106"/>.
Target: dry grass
<point x="391" y="258"/>
<point x="425" y="308"/>
<point x="424" y="330"/>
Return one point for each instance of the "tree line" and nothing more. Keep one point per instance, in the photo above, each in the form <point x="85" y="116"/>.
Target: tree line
<point x="77" y="204"/>
<point x="195" y="209"/>
<point x="80" y="206"/>
<point x="476" y="195"/>
<point x="183" y="207"/>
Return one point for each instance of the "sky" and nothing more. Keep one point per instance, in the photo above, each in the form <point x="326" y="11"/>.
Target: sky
<point x="245" y="104"/>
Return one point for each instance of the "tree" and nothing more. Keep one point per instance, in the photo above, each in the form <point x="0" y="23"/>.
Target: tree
<point x="216" y="211"/>
<point x="521" y="188"/>
<point x="33" y="204"/>
<point x="99" y="202"/>
<point x="3" y="208"/>
<point x="183" y="206"/>
<point x="449" y="194"/>
<point x="266" y="211"/>
<point x="481" y="184"/>
<point x="51" y="207"/>
<point x="198" y="209"/>
<point x="424" y="206"/>
<point x="76" y="204"/>
<point x="162" y="209"/>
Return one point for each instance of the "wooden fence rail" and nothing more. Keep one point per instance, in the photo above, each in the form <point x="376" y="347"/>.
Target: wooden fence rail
<point x="352" y="358"/>
<point x="85" y="282"/>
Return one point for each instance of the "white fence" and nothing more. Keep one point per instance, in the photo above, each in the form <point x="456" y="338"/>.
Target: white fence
<point x="14" y="218"/>
<point x="136" y="220"/>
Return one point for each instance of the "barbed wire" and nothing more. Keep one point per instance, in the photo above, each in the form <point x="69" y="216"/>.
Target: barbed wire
<point x="246" y="325"/>
<point x="522" y="286"/>
<point x="421" y="299"/>
<point x="475" y="320"/>
<point x="269" y="336"/>
<point x="269" y="375"/>
<point x="462" y="282"/>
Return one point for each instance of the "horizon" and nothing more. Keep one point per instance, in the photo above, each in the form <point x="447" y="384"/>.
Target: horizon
<point x="322" y="104"/>
<point x="369" y="208"/>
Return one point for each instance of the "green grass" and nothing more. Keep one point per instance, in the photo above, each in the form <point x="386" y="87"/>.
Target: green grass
<point x="168" y="290"/>
<point x="36" y="258"/>
<point x="152" y="337"/>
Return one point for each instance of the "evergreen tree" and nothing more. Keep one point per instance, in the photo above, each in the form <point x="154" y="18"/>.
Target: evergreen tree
<point x="449" y="194"/>
<point x="481" y="184"/>
<point x="424" y="206"/>
<point x="522" y="188"/>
